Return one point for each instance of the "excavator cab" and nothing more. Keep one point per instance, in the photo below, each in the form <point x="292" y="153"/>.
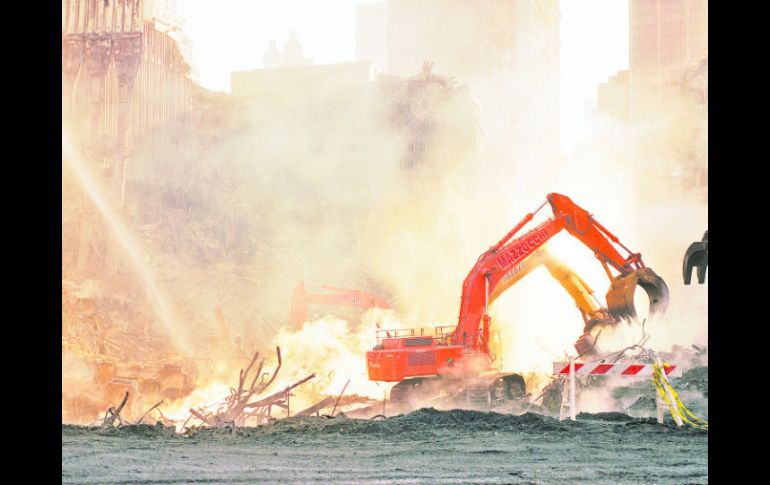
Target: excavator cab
<point x="620" y="297"/>
<point x="697" y="256"/>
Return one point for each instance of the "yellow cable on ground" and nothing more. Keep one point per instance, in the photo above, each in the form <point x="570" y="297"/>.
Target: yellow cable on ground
<point x="678" y="406"/>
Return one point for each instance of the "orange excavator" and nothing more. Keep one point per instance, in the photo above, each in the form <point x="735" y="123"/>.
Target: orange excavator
<point x="412" y="360"/>
<point x="329" y="295"/>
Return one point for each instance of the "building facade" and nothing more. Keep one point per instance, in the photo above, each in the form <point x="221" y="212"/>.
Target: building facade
<point x="439" y="120"/>
<point x="507" y="51"/>
<point x="666" y="38"/>
<point x="662" y="98"/>
<point x="300" y="79"/>
<point x="434" y="115"/>
<point x="124" y="77"/>
<point x="125" y="92"/>
<point x="612" y="96"/>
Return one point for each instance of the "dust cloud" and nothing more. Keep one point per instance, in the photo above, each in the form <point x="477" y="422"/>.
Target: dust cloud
<point x="311" y="185"/>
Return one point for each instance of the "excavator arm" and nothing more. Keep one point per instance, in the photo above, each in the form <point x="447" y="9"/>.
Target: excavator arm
<point x="499" y="265"/>
<point x="592" y="311"/>
<point x="329" y="295"/>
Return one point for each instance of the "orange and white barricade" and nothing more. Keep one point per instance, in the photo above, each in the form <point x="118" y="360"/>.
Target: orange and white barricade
<point x="665" y="396"/>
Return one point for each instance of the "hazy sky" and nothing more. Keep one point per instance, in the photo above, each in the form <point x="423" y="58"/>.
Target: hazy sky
<point x="232" y="35"/>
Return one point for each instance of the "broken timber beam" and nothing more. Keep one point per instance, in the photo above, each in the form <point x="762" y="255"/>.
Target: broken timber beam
<point x="316" y="407"/>
<point x="112" y="414"/>
<point x="340" y="397"/>
<point x="199" y="416"/>
<point x="271" y="400"/>
<point x="139" y="421"/>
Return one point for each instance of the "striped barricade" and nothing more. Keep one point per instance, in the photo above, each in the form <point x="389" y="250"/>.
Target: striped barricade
<point x="627" y="369"/>
<point x="616" y="369"/>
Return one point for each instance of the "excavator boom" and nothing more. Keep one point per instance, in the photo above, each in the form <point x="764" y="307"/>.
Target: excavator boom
<point x="500" y="263"/>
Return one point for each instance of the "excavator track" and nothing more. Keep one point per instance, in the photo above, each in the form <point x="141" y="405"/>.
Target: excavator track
<point x="409" y="391"/>
<point x="481" y="393"/>
<point x="478" y="394"/>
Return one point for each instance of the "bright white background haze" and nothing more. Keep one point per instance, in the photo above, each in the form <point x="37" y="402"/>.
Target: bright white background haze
<point x="232" y="35"/>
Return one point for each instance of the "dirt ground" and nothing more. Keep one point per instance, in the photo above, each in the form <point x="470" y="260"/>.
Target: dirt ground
<point x="426" y="446"/>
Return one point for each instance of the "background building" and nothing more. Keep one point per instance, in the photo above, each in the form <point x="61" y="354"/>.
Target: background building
<point x="612" y="96"/>
<point x="433" y="119"/>
<point x="439" y="120"/>
<point x="507" y="51"/>
<point x="662" y="99"/>
<point x="666" y="37"/>
<point x="128" y="114"/>
<point x="372" y="33"/>
<point x="124" y="79"/>
<point x="300" y="81"/>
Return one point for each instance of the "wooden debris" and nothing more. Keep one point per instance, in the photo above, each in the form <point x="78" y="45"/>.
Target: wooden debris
<point x="199" y="415"/>
<point x="277" y="398"/>
<point x="338" y="398"/>
<point x="316" y="408"/>
<point x="166" y="421"/>
<point x="184" y="425"/>
<point x="139" y="421"/>
<point x="241" y="405"/>
<point x="112" y="414"/>
<point x="238" y="407"/>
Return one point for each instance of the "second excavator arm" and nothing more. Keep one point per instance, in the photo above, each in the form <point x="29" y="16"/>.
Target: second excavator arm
<point x="592" y="311"/>
<point x="329" y="295"/>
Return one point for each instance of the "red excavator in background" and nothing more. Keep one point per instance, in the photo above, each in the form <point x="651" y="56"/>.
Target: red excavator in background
<point x="329" y="296"/>
<point x="462" y="357"/>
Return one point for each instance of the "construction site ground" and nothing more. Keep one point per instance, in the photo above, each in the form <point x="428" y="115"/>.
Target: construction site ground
<point x="425" y="446"/>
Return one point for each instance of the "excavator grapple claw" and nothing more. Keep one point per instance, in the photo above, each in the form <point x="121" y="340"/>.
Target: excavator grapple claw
<point x="620" y="298"/>
<point x="697" y="256"/>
